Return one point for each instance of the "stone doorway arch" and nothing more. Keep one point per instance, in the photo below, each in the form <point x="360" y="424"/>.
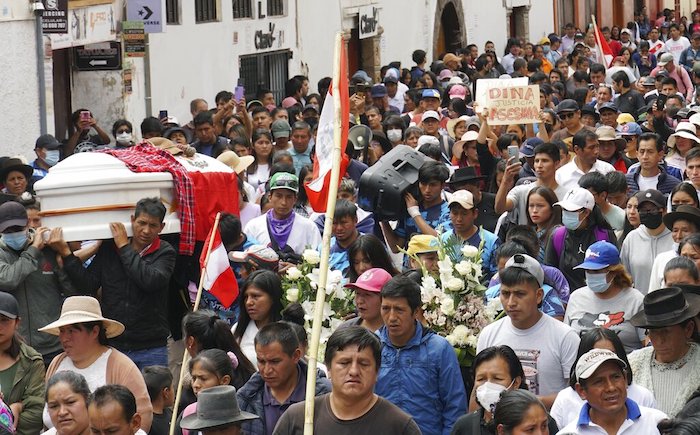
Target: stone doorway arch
<point x="449" y="31"/>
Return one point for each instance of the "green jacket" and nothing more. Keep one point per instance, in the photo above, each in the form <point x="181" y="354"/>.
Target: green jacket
<point x="28" y="388"/>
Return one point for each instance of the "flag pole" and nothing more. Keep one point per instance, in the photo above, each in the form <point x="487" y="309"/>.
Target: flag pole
<point x="599" y="45"/>
<point x="185" y="354"/>
<point x="325" y="247"/>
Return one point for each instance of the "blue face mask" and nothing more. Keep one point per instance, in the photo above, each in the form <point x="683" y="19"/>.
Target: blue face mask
<point x="545" y="49"/>
<point x="16" y="240"/>
<point x="597" y="282"/>
<point x="570" y="219"/>
<point x="52" y="157"/>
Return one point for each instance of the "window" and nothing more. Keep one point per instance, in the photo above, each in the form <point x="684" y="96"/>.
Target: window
<point x="565" y="14"/>
<point x="172" y="11"/>
<point x="242" y="9"/>
<point x="205" y="11"/>
<point x="269" y="70"/>
<point x="275" y="7"/>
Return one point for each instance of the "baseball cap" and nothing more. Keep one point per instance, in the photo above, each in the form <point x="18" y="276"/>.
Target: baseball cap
<point x="8" y="306"/>
<point x="390" y="78"/>
<point x="629" y="128"/>
<point x="605" y="133"/>
<point x="527" y="149"/>
<point x="594" y="358"/>
<point x="625" y="30"/>
<point x="427" y="139"/>
<point x="544" y="41"/>
<point x="280" y="128"/>
<point x="464" y="198"/>
<point x="430" y="114"/>
<point x="47" y="141"/>
<point x="378" y="91"/>
<point x="263" y="256"/>
<point x="599" y="256"/>
<point x="422" y="243"/>
<point x="528" y="264"/>
<point x="284" y="180"/>
<point x="371" y="280"/>
<point x="665" y="58"/>
<point x="289" y="102"/>
<point x="308" y="107"/>
<point x="12" y="214"/>
<point x="625" y="118"/>
<point x="653" y="196"/>
<point x="608" y="106"/>
<point x="430" y="93"/>
<point x="445" y="74"/>
<point x="171" y="120"/>
<point x="576" y="199"/>
<point x="553" y="38"/>
<point x="458" y="91"/>
<point x="567" y="105"/>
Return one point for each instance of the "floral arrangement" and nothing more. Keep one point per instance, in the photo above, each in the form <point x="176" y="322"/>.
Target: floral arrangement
<point x="300" y="283"/>
<point x="453" y="298"/>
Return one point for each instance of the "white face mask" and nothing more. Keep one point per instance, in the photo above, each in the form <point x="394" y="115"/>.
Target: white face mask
<point x="124" y="137"/>
<point x="488" y="394"/>
<point x="394" y="135"/>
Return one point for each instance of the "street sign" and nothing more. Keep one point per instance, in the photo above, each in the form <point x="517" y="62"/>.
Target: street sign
<point x="55" y="18"/>
<point x="150" y="12"/>
<point x="368" y="21"/>
<point x="134" y="38"/>
<point x="98" y="57"/>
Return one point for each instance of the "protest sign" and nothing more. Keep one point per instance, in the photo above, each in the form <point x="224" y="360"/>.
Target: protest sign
<point x="512" y="104"/>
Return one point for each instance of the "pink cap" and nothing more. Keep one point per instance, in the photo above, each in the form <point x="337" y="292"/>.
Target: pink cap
<point x="371" y="280"/>
<point x="289" y="102"/>
<point x="458" y="91"/>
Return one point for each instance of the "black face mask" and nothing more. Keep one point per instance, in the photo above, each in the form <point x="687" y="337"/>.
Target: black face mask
<point x="651" y="220"/>
<point x="674" y="207"/>
<point x="312" y="121"/>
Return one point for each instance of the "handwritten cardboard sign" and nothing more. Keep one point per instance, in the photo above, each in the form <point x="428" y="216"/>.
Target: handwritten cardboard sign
<point x="510" y="104"/>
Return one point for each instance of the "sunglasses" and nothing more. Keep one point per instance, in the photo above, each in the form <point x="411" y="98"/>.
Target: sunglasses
<point x="567" y="115"/>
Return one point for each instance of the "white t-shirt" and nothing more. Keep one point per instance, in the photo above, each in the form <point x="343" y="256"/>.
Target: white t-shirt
<point x="518" y="195"/>
<point x="567" y="405"/>
<point x="247" y="343"/>
<point x="676" y="48"/>
<point x="587" y="311"/>
<point x="646" y="183"/>
<point x="260" y="176"/>
<point x="656" y="280"/>
<point x="248" y="213"/>
<point x="644" y="425"/>
<point x="547" y="351"/>
<point x="304" y="233"/>
<point x="615" y="217"/>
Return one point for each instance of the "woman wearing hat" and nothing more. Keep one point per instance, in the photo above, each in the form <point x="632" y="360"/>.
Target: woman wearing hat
<point x="15" y="176"/>
<point x="21" y="372"/>
<point x="670" y="368"/>
<point x="83" y="333"/>
<point x="682" y="222"/>
<point x="608" y="299"/>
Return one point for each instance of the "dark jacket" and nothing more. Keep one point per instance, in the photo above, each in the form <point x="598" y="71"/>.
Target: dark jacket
<point x="474" y="424"/>
<point x="665" y="184"/>
<point x="250" y="398"/>
<point x="134" y="290"/>
<point x="28" y="388"/>
<point x="39" y="285"/>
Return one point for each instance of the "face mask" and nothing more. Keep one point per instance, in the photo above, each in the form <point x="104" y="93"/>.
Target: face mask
<point x="394" y="135"/>
<point x="16" y="240"/>
<point x="124" y="138"/>
<point x="489" y="393"/>
<point x="312" y="121"/>
<point x="651" y="221"/>
<point x="597" y="282"/>
<point x="674" y="207"/>
<point x="570" y="219"/>
<point x="52" y="157"/>
<point x="545" y="48"/>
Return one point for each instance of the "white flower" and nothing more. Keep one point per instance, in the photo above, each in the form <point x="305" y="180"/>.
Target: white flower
<point x="471" y="341"/>
<point x="293" y="273"/>
<point x="461" y="332"/>
<point x="470" y="251"/>
<point x="445" y="266"/>
<point x="311" y="256"/>
<point x="447" y="306"/>
<point x="463" y="268"/>
<point x="454" y="284"/>
<point x="441" y="320"/>
<point x="308" y="307"/>
<point x="493" y="308"/>
<point x="292" y="294"/>
<point x="451" y="339"/>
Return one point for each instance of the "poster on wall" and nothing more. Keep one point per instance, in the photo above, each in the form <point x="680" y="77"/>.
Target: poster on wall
<point x="15" y="10"/>
<point x="55" y="18"/>
<point x="87" y="26"/>
<point x="149" y="12"/>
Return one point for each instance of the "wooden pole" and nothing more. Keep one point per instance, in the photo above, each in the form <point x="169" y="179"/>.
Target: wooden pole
<point x="325" y="247"/>
<point x="185" y="354"/>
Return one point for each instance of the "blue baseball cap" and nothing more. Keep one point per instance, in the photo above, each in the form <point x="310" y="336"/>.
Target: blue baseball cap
<point x="527" y="149"/>
<point x="599" y="256"/>
<point x="430" y="93"/>
<point x="629" y="129"/>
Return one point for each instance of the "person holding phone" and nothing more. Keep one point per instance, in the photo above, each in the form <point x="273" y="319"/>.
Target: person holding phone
<point x="83" y="123"/>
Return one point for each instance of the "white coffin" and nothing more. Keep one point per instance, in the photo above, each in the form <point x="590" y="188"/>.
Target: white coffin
<point x="86" y="191"/>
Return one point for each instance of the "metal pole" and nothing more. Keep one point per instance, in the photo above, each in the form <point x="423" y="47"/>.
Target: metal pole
<point x="39" y="37"/>
<point x="147" y="76"/>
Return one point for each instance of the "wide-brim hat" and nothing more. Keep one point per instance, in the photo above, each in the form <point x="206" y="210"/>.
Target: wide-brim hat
<point x="216" y="406"/>
<point x="83" y="309"/>
<point x="666" y="307"/>
<point x="453" y="122"/>
<point x="465" y="175"/>
<point x="683" y="212"/>
<point x="234" y="161"/>
<point x="683" y="129"/>
<point x="15" y="164"/>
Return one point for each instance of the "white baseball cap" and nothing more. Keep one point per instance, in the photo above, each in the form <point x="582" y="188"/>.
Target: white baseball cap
<point x="576" y="199"/>
<point x="594" y="358"/>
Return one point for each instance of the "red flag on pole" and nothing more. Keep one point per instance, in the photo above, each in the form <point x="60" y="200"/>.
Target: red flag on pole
<point x="317" y="189"/>
<point x="605" y="53"/>
<point x="219" y="279"/>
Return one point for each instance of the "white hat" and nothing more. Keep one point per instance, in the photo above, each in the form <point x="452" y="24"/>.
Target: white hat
<point x="594" y="358"/>
<point x="83" y="309"/>
<point x="463" y="198"/>
<point x="430" y="114"/>
<point x="172" y="120"/>
<point x="695" y="119"/>
<point x="576" y="199"/>
<point x="664" y="59"/>
<point x="427" y="139"/>
<point x="528" y="264"/>
<point x="683" y="129"/>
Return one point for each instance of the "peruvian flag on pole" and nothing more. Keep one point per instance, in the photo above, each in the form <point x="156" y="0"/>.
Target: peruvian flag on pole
<point x="219" y="279"/>
<point x="317" y="189"/>
<point x="605" y="53"/>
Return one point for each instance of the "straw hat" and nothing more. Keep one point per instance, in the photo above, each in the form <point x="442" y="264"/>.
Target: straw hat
<point x="232" y="160"/>
<point x="83" y="309"/>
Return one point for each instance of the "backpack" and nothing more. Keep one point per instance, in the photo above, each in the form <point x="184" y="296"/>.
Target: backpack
<point x="560" y="234"/>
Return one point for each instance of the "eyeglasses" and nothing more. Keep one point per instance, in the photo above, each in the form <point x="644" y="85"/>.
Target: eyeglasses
<point x="567" y="115"/>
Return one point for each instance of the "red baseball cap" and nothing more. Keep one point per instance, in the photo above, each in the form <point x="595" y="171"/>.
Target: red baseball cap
<point x="371" y="280"/>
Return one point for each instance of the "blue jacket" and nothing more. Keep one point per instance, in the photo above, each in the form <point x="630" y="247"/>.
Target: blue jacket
<point x="665" y="184"/>
<point x="423" y="379"/>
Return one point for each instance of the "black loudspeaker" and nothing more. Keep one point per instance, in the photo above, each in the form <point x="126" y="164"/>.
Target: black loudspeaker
<point x="382" y="185"/>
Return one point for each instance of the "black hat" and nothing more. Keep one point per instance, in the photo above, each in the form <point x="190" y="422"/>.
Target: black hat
<point x="8" y="306"/>
<point x="567" y="105"/>
<point x="216" y="406"/>
<point x="47" y="141"/>
<point x="666" y="307"/>
<point x="608" y="106"/>
<point x="590" y="110"/>
<point x="12" y="214"/>
<point x="15" y="164"/>
<point x="651" y="195"/>
<point x="683" y="212"/>
<point x="465" y="175"/>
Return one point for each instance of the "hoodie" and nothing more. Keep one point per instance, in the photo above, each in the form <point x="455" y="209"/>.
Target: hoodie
<point x="639" y="251"/>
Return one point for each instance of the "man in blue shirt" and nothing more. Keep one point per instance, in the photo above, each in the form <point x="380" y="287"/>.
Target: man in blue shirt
<point x="344" y="234"/>
<point x="48" y="153"/>
<point x="207" y="141"/>
<point x="301" y="145"/>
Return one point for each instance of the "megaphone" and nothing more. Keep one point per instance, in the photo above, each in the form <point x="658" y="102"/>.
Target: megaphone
<point x="359" y="136"/>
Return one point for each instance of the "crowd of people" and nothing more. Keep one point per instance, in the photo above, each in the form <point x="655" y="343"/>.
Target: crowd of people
<point x="587" y="222"/>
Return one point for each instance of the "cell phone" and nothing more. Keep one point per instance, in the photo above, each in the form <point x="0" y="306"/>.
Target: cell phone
<point x="240" y="92"/>
<point x="84" y="115"/>
<point x="513" y="151"/>
<point x="661" y="101"/>
<point x="591" y="86"/>
<point x="162" y="114"/>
